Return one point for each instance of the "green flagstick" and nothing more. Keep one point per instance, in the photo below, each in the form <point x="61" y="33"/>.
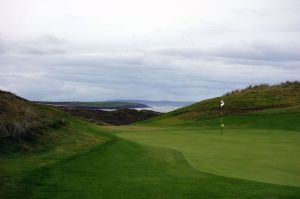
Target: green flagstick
<point x="221" y="122"/>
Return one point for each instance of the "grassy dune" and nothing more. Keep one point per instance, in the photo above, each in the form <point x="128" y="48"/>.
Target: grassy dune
<point x="54" y="146"/>
<point x="252" y="99"/>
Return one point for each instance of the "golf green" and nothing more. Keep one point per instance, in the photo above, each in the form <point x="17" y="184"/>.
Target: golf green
<point x="270" y="156"/>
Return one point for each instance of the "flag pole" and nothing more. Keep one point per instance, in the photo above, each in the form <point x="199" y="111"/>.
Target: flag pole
<point x="221" y="125"/>
<point x="221" y="121"/>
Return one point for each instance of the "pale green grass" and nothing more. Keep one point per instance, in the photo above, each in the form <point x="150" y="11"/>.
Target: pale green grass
<point x="270" y="156"/>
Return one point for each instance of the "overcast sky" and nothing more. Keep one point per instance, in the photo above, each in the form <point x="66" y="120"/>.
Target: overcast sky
<point x="145" y="49"/>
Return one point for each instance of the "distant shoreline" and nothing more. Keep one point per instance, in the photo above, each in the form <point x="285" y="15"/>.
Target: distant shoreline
<point x="157" y="106"/>
<point x="94" y="105"/>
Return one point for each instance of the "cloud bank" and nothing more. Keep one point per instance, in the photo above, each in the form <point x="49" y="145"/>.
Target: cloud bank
<point x="170" y="50"/>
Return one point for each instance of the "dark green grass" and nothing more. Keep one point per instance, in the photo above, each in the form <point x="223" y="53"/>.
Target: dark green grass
<point x="284" y="118"/>
<point x="122" y="169"/>
<point x="54" y="146"/>
<point x="280" y="118"/>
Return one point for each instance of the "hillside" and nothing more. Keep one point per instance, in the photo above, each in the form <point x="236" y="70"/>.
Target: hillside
<point x="22" y="121"/>
<point x="283" y="97"/>
<point x="33" y="136"/>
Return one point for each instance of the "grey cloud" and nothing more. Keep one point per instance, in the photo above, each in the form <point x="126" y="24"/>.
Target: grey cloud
<point x="51" y="39"/>
<point x="44" y="45"/>
<point x="107" y="82"/>
<point x="40" y="51"/>
<point x="198" y="50"/>
<point x="80" y="77"/>
<point x="171" y="74"/>
<point x="257" y="54"/>
<point x="185" y="53"/>
<point x="2" y="46"/>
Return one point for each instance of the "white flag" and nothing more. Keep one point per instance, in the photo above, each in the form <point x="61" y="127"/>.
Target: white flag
<point x="222" y="103"/>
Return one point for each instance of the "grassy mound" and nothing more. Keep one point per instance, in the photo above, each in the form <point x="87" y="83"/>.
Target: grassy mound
<point x="22" y="122"/>
<point x="56" y="145"/>
<point x="252" y="99"/>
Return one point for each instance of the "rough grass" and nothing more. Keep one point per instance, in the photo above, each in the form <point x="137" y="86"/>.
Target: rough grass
<point x="21" y="118"/>
<point x="247" y="100"/>
<point x="51" y="148"/>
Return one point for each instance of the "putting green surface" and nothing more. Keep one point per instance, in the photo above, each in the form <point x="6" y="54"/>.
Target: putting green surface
<point x="260" y="145"/>
<point x="270" y="156"/>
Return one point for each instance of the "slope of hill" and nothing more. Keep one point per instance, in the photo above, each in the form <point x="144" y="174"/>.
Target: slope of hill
<point x="33" y="136"/>
<point x="252" y="99"/>
<point x="21" y="119"/>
